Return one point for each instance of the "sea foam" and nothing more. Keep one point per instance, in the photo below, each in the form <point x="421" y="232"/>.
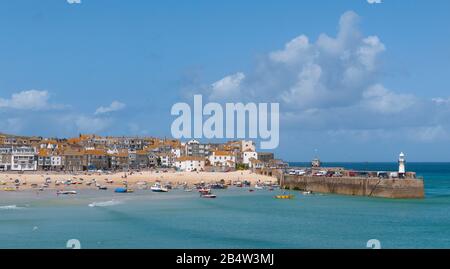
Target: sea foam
<point x="10" y="207"/>
<point x="107" y="203"/>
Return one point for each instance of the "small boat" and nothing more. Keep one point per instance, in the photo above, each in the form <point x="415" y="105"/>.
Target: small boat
<point x="66" y="192"/>
<point x="9" y="189"/>
<point x="204" y="190"/>
<point x="121" y="190"/>
<point x="218" y="186"/>
<point x="285" y="196"/>
<point x="251" y="190"/>
<point x="103" y="188"/>
<point x="258" y="187"/>
<point x="130" y="190"/>
<point x="208" y="195"/>
<point x="307" y="192"/>
<point x="158" y="188"/>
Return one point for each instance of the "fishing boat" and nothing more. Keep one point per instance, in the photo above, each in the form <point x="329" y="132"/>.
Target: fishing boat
<point x="66" y="192"/>
<point x="158" y="188"/>
<point x="285" y="196"/>
<point x="207" y="194"/>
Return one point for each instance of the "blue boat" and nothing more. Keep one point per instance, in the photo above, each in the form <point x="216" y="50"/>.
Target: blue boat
<point x="121" y="190"/>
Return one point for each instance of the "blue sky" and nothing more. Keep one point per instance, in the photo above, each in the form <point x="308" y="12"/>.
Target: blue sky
<point x="116" y="67"/>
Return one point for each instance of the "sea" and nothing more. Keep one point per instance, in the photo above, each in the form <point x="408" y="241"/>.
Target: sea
<point x="237" y="218"/>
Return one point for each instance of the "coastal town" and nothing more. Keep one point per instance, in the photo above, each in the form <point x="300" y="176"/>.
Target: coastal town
<point x="135" y="162"/>
<point x="97" y="153"/>
<point x="127" y="163"/>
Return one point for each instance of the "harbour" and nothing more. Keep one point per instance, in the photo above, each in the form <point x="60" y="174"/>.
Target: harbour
<point x="237" y="218"/>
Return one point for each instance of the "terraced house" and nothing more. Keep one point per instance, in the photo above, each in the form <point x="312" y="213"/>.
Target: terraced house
<point x="5" y="158"/>
<point x="23" y="159"/>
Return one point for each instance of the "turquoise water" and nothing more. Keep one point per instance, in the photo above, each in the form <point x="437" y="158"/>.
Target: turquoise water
<point x="236" y="219"/>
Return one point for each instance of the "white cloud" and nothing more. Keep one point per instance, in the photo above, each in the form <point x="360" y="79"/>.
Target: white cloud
<point x="114" y="106"/>
<point x="298" y="49"/>
<point x="227" y="87"/>
<point x="27" y="100"/>
<point x="429" y="133"/>
<point x="374" y="1"/>
<point x="333" y="84"/>
<point x="441" y="101"/>
<point x="369" y="51"/>
<point x="379" y="99"/>
<point x="331" y="72"/>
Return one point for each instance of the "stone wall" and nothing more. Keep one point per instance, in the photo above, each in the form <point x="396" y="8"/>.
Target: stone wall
<point x="374" y="187"/>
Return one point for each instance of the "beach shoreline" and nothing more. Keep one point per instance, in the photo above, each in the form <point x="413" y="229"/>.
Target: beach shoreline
<point x="26" y="180"/>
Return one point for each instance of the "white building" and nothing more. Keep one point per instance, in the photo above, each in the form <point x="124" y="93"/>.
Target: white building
<point x="56" y="161"/>
<point x="195" y="148"/>
<point x="24" y="159"/>
<point x="190" y="163"/>
<point x="167" y="159"/>
<point x="247" y="155"/>
<point x="176" y="152"/>
<point x="248" y="145"/>
<point x="222" y="158"/>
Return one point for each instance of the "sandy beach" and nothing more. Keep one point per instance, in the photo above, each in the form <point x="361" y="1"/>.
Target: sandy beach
<point x="8" y="179"/>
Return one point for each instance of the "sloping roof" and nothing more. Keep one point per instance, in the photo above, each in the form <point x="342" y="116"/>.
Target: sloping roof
<point x="95" y="152"/>
<point x="72" y="152"/>
<point x="222" y="153"/>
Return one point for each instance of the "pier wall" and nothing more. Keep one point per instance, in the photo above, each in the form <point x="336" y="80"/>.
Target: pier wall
<point x="374" y="187"/>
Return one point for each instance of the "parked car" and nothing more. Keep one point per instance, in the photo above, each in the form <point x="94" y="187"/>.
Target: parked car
<point x="320" y="173"/>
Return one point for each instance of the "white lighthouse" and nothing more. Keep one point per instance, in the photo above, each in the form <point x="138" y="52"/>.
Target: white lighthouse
<point x="401" y="165"/>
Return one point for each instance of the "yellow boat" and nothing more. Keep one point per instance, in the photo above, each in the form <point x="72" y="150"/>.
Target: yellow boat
<point x="9" y="189"/>
<point x="285" y="196"/>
